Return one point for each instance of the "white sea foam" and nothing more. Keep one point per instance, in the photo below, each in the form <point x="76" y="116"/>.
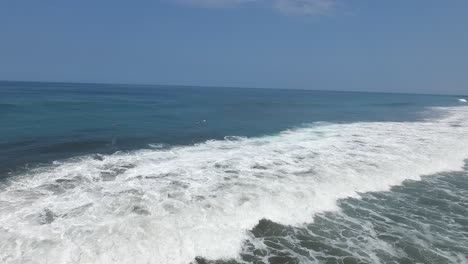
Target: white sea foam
<point x="462" y="100"/>
<point x="170" y="205"/>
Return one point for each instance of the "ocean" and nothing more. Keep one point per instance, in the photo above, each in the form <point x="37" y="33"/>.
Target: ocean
<point x="114" y="173"/>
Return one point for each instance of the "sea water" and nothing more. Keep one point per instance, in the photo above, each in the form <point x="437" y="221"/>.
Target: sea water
<point x="94" y="173"/>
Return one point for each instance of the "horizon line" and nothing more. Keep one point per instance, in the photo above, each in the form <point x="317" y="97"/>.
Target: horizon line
<point x="228" y="87"/>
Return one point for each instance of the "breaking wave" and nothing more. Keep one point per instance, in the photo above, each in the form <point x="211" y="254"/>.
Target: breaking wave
<point x="170" y="205"/>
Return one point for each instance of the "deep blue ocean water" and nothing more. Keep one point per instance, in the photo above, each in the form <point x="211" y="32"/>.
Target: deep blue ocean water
<point x="102" y="173"/>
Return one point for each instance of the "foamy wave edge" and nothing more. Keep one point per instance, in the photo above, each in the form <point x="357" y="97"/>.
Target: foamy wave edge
<point x="171" y="205"/>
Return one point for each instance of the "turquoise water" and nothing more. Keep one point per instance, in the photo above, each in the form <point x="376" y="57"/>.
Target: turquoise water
<point x="42" y="122"/>
<point x="94" y="173"/>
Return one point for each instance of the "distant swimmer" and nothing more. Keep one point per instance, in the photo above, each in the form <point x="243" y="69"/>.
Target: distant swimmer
<point x="462" y="100"/>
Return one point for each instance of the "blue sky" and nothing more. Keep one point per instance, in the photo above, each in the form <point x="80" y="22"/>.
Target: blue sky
<point x="368" y="45"/>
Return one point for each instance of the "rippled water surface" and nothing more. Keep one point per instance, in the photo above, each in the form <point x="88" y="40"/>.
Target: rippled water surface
<point x="117" y="174"/>
<point x="419" y="222"/>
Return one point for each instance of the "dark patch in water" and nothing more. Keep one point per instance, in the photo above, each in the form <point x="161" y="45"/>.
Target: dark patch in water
<point x="259" y="167"/>
<point x="47" y="217"/>
<point x="180" y="184"/>
<point x="108" y="176"/>
<point x="137" y="209"/>
<point x="221" y="166"/>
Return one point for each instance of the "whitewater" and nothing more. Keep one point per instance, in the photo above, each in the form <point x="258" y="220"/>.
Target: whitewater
<point x="170" y="205"/>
